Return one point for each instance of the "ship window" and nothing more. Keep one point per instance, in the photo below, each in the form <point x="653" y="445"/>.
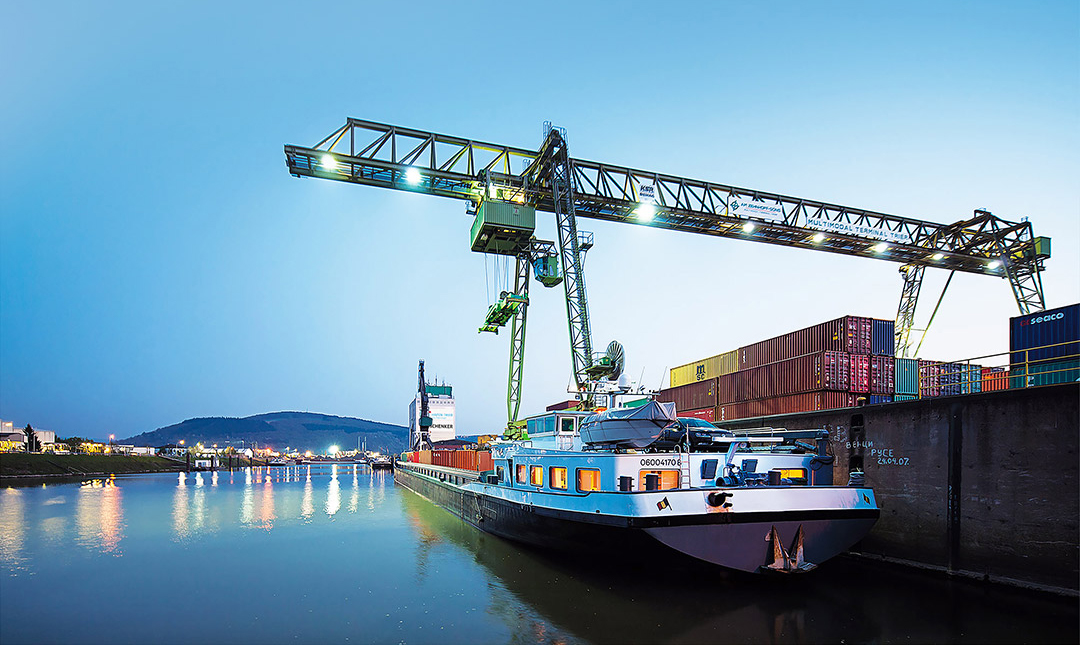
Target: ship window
<point x="536" y="476"/>
<point x="499" y="474"/>
<point x="588" y="479"/>
<point x="668" y="478"/>
<point x="567" y="425"/>
<point x="522" y="474"/>
<point x="557" y="477"/>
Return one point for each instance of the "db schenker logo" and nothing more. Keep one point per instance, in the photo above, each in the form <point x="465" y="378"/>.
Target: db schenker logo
<point x="1041" y="319"/>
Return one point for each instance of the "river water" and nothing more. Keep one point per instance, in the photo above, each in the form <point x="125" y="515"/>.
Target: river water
<point x="339" y="554"/>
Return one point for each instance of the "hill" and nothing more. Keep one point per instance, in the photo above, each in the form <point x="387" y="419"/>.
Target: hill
<point x="300" y="430"/>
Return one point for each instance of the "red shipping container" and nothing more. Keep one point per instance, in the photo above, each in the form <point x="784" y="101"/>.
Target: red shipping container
<point x="805" y="402"/>
<point x="706" y="414"/>
<point x="821" y="371"/>
<point x="692" y="396"/>
<point x="827" y="336"/>
<point x="929" y="379"/>
<point x="860" y="374"/>
<point x="882" y="375"/>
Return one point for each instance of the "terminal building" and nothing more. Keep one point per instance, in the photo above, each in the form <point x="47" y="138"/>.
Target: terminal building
<point x="441" y="411"/>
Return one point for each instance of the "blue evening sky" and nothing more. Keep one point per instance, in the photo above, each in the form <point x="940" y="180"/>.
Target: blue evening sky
<point x="158" y="262"/>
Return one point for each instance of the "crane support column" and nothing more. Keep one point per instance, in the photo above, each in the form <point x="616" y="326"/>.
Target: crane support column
<point x="905" y="314"/>
<point x="577" y="308"/>
<point x="517" y="338"/>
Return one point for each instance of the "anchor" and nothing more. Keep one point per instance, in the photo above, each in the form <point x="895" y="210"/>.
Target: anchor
<point x="782" y="560"/>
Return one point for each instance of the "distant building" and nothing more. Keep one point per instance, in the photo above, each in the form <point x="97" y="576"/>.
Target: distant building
<point x="440" y="409"/>
<point x="13" y="439"/>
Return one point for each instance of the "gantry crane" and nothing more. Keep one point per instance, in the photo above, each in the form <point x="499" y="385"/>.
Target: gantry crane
<point x="548" y="179"/>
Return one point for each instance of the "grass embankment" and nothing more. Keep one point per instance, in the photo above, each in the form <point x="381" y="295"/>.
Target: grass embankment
<point x="16" y="464"/>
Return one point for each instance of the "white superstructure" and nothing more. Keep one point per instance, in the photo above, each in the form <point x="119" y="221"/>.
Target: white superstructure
<point x="440" y="409"/>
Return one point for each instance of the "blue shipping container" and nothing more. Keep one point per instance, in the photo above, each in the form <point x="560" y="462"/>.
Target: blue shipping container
<point x="883" y="338"/>
<point x="971" y="379"/>
<point x="905" y="397"/>
<point x="907" y="376"/>
<point x="880" y="398"/>
<point x="1045" y="336"/>
<point x="950" y="378"/>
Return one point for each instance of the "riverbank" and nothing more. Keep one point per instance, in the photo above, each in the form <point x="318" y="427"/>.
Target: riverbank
<point x="16" y="464"/>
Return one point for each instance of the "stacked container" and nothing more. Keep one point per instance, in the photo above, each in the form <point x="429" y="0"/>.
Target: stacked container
<point x="849" y="360"/>
<point x="830" y="365"/>
<point x="1045" y="347"/>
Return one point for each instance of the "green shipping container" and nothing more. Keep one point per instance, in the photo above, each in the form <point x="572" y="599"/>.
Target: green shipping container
<point x="504" y="228"/>
<point x="1044" y="373"/>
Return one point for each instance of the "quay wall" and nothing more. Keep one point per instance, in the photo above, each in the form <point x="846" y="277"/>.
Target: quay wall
<point x="983" y="485"/>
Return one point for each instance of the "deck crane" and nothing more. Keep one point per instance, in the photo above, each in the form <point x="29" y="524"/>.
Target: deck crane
<point x="548" y="179"/>
<point x="423" y="422"/>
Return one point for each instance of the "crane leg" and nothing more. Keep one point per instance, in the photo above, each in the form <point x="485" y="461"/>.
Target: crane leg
<point x="577" y="305"/>
<point x="905" y="313"/>
<point x="517" y="340"/>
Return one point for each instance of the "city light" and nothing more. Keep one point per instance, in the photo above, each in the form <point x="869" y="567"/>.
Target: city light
<point x="993" y="265"/>
<point x="333" y="450"/>
<point x="881" y="247"/>
<point x="328" y="162"/>
<point x="749" y="227"/>
<point x="412" y="175"/>
<point x="819" y="238"/>
<point x="937" y="256"/>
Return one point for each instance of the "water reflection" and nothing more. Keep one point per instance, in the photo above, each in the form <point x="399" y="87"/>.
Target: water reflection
<point x="333" y="493"/>
<point x="307" y="506"/>
<point x="12" y="527"/>
<point x="630" y="598"/>
<point x="266" y="505"/>
<point x="99" y="515"/>
<point x="354" y="500"/>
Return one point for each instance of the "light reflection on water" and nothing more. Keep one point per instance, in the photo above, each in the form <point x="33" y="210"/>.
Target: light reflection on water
<point x="99" y="516"/>
<point x="305" y="554"/>
<point x="12" y="527"/>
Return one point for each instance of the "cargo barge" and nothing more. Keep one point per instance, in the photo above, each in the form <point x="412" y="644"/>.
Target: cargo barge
<point x="757" y="502"/>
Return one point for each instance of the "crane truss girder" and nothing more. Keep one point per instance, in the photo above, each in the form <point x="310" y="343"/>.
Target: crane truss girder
<point x="376" y="154"/>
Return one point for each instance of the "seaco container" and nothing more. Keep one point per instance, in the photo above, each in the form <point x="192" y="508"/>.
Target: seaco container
<point x="693" y="396"/>
<point x="1045" y="347"/>
<point x="1050" y="334"/>
<point x="883" y="337"/>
